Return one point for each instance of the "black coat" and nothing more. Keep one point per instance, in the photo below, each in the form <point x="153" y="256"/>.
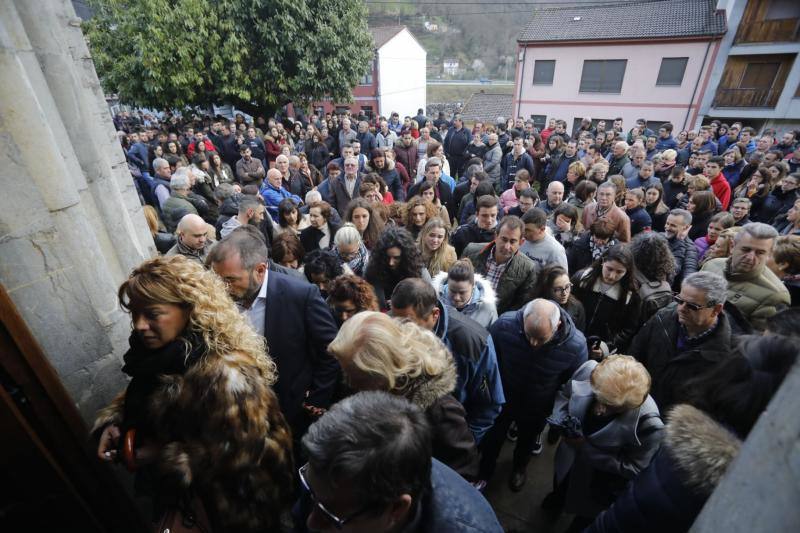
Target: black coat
<point x="579" y="255"/>
<point x="469" y="233"/>
<point x="685" y="253"/>
<point x="310" y="237"/>
<point x="614" y="321"/>
<point x="445" y="195"/>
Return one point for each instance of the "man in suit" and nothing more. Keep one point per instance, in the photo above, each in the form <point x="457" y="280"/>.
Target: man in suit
<point x="345" y="187"/>
<point x="291" y="315"/>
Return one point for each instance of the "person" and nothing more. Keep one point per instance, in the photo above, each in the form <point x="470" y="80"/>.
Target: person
<point x="528" y="198"/>
<point x="469" y="293"/>
<point x="620" y="432"/>
<point x="538" y="348"/>
<point x="618" y="158"/>
<point x="592" y="245"/>
<point x="249" y="169"/>
<point x="288" y="252"/>
<point x="370" y="469"/>
<point x="719" y="185"/>
<point x="479" y="230"/>
<point x="434" y="149"/>
<point x="604" y="207"/>
<point x="290" y="219"/>
<point x="634" y="208"/>
<point x="723" y="245"/>
<point x="510" y="198"/>
<point x="683" y="250"/>
<point x="517" y="159"/>
<point x="644" y="178"/>
<point x="273" y="192"/>
<point x="346" y="187"/>
<point x="377" y="352"/>
<point x="442" y="189"/>
<point x="351" y="249"/>
<point x="385" y="168"/>
<point x="655" y="207"/>
<point x="275" y="303"/>
<point x="785" y="264"/>
<point x="686" y="338"/>
<point x="512" y="275"/>
<point x="718" y="223"/>
<point x="655" y="266"/>
<point x="394" y="258"/>
<point x="752" y="287"/>
<point x="608" y="292"/>
<point x="229" y="444"/>
<point x="437" y="255"/>
<point x="555" y="197"/>
<point x="163" y="240"/>
<point x="349" y="294"/>
<point x="180" y="202"/>
<point x="160" y="188"/>
<point x="321" y="232"/>
<point x="493" y="158"/>
<point x="321" y="267"/>
<point x="740" y="209"/>
<point x="418" y="212"/>
<point x="407" y="155"/>
<point x="455" y="145"/>
<point x="541" y="247"/>
<point x="366" y="220"/>
<point x="250" y="211"/>
<point x="192" y="239"/>
<point x="555" y="285"/>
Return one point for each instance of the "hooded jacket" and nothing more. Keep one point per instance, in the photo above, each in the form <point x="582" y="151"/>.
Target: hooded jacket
<point x="482" y="305"/>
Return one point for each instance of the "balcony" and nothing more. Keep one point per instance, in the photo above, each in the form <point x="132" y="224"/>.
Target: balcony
<point x="768" y="31"/>
<point x="765" y="98"/>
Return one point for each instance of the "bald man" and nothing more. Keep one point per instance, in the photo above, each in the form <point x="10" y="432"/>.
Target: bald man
<point x="193" y="241"/>
<point x="274" y="192"/>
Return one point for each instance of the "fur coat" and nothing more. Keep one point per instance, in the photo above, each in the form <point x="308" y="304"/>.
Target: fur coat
<point x="221" y="433"/>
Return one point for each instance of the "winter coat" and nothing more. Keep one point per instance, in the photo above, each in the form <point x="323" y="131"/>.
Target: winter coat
<point x="774" y="204"/>
<point x="672" y="191"/>
<point x="228" y="442"/>
<point x="733" y="172"/>
<point x="470" y="233"/>
<point x="640" y="220"/>
<point x="608" y="457"/>
<point x="556" y="170"/>
<point x="668" y="495"/>
<point x="392" y="179"/>
<point x="339" y="197"/>
<point x="685" y="254"/>
<point x="407" y="155"/>
<point x="481" y="307"/>
<point x="174" y="209"/>
<point x="273" y="196"/>
<point x="511" y="164"/>
<point x="615" y="165"/>
<point x="656" y="346"/>
<point x="610" y="316"/>
<point x="311" y="236"/>
<point x="517" y="285"/>
<point x="531" y="377"/>
<point x="579" y="255"/>
<point x="617" y="216"/>
<point x="492" y="162"/>
<point x="758" y="294"/>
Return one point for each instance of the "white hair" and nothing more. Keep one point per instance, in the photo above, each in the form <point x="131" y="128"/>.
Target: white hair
<point x="347" y="234"/>
<point x="714" y="285"/>
<point x="180" y="179"/>
<point x="313" y="196"/>
<point x="543" y="310"/>
<point x="159" y="162"/>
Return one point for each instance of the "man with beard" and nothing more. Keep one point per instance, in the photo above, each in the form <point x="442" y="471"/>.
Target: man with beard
<point x="251" y="211"/>
<point x="291" y="315"/>
<point x="676" y="229"/>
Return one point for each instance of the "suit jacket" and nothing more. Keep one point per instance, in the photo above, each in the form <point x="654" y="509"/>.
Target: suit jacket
<point x="338" y="193"/>
<point x="298" y="328"/>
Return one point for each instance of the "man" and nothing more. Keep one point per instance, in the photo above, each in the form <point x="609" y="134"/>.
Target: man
<point x="528" y="199"/>
<point x="556" y="170"/>
<point x="229" y="149"/>
<point x="407" y="154"/>
<point x="394" y="123"/>
<point x="346" y="134"/>
<point x="493" y="158"/>
<point x="421" y="118"/>
<point x="555" y="197"/>
<point x="386" y="137"/>
<point x="370" y="464"/>
<point x="548" y="131"/>
<point x="163" y="175"/>
<point x="178" y="204"/>
<point x="455" y="145"/>
<point x="478" y="387"/>
<point x="538" y="348"/>
<point x="665" y="139"/>
<point x="752" y="288"/>
<point x="561" y="130"/>
<point x="765" y="143"/>
<point x="139" y="154"/>
<point x="644" y="179"/>
<point x="517" y="159"/>
<point x="290" y="177"/>
<point x="631" y="170"/>
<point x="511" y="274"/>
<point x="618" y="158"/>
<point x="539" y="245"/>
<point x="720" y="186"/>
<point x="708" y="143"/>
<point x="366" y="138"/>
<point x="685" y="339"/>
<point x="788" y="144"/>
<point x="256" y="144"/>
<point x="274" y="193"/>
<point x="480" y="230"/>
<point x="291" y="315"/>
<point x="676" y="230"/>
<point x="747" y="143"/>
<point x="249" y="169"/>
<point x="441" y="190"/>
<point x="192" y="239"/>
<point x="604" y="207"/>
<point x="251" y="211"/>
<point x="345" y="187"/>
<point x="741" y="211"/>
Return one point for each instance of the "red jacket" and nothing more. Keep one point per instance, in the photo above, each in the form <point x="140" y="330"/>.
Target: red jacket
<point x="722" y="190"/>
<point x="191" y="148"/>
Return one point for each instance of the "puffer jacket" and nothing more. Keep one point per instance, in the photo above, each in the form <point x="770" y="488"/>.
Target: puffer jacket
<point x="175" y="208"/>
<point x="517" y="285"/>
<point x="758" y="295"/>
<point x="481" y="307"/>
<point x="685" y="253"/>
<point x="531" y="377"/>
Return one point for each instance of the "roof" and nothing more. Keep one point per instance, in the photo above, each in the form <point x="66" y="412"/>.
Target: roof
<point x="487" y="107"/>
<point x="645" y="19"/>
<point x="382" y="35"/>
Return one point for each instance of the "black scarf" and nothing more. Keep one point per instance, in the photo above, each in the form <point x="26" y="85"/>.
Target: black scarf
<point x="146" y="366"/>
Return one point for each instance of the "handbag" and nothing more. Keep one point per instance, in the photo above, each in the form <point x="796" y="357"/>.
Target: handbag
<point x="188" y="516"/>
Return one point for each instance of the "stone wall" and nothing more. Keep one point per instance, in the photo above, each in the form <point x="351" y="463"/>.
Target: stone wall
<point x="71" y="226"/>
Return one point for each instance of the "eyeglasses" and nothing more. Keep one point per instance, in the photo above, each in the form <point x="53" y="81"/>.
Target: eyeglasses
<point x="563" y="290"/>
<point x="337" y="522"/>
<point x="690" y="305"/>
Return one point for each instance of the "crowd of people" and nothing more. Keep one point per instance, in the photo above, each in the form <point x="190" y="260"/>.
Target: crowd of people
<point x="383" y="304"/>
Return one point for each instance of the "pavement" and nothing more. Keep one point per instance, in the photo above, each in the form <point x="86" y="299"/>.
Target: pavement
<point x="520" y="511"/>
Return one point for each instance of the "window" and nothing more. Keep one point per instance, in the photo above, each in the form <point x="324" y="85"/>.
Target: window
<point x="366" y="110"/>
<point x="672" y="71"/>
<point x="759" y="75"/>
<point x="342" y="109"/>
<point x="782" y="10"/>
<point x="603" y="76"/>
<point x="543" y="70"/>
<point x="539" y="121"/>
<point x="367" y="79"/>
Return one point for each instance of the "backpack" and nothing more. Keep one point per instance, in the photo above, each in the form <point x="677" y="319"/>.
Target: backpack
<point x="653" y="295"/>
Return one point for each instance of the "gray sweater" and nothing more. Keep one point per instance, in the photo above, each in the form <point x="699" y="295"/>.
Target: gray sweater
<point x="545" y="252"/>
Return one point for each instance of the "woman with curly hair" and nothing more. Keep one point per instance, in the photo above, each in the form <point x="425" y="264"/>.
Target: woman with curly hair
<point x="655" y="270"/>
<point x="364" y="217"/>
<point x="322" y="267"/>
<point x="377" y="352"/>
<point x="418" y="212"/>
<point x="349" y="294"/>
<point x="221" y="450"/>
<point x="437" y="254"/>
<point x="394" y="258"/>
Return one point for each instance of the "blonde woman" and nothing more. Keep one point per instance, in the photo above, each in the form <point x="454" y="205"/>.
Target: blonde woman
<point x="377" y="352"/>
<point x="437" y="254"/>
<point x="198" y="422"/>
<point x="611" y="429"/>
<point x="723" y="246"/>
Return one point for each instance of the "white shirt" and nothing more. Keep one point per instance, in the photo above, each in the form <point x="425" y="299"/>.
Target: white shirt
<point x="326" y="237"/>
<point x="257" y="313"/>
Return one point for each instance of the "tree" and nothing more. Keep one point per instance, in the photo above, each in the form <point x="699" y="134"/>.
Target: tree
<point x="255" y="54"/>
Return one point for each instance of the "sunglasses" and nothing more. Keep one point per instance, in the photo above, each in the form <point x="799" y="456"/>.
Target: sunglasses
<point x="337" y="522"/>
<point x="694" y="307"/>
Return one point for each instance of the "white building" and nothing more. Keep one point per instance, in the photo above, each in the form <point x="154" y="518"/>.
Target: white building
<point x="401" y="73"/>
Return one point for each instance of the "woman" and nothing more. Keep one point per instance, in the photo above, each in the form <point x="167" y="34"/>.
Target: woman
<point x="470" y="293"/>
<point x="163" y="240"/>
<point x="723" y="245"/>
<point x="290" y="219"/>
<point x="619" y="430"/>
<point x="397" y="214"/>
<point x="556" y="286"/>
<point x="377" y="352"/>
<point x="582" y="196"/>
<point x="591" y="246"/>
<point x="655" y="206"/>
<point x="384" y="168"/>
<point x="348" y="295"/>
<point x="756" y="188"/>
<point x="634" y="208"/>
<point x="718" y="223"/>
<point x="619" y="182"/>
<point x="318" y="152"/>
<point x="565" y="225"/>
<point x="682" y="139"/>
<point x="733" y="166"/>
<point x="309" y="173"/>
<point x="437" y="254"/>
<point x="607" y="291"/>
<point x="394" y="258"/>
<point x="175" y="151"/>
<point x="321" y="267"/>
<point x="476" y="147"/>
<point x="351" y="249"/>
<point x="576" y="173"/>
<point x="666" y="164"/>
<point x="785" y="263"/>
<point x="363" y="216"/>
<point x="220" y="171"/>
<point x="287" y="251"/>
<point x="418" y="212"/>
<point x="384" y="195"/>
<point x="435" y="149"/>
<point x="427" y="192"/>
<point x="225" y="448"/>
<point x="509" y="199"/>
<point x="655" y="269"/>
<point x="321" y="231"/>
<point x="272" y="147"/>
<point x="702" y="206"/>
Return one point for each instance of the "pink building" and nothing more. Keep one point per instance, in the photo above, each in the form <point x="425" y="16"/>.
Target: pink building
<point x="651" y="60"/>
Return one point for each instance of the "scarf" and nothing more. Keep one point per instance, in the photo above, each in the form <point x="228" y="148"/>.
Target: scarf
<point x="359" y="263"/>
<point x="598" y="251"/>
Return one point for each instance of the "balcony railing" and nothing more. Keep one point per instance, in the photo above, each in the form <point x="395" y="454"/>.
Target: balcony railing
<point x="768" y="31"/>
<point x="746" y="97"/>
